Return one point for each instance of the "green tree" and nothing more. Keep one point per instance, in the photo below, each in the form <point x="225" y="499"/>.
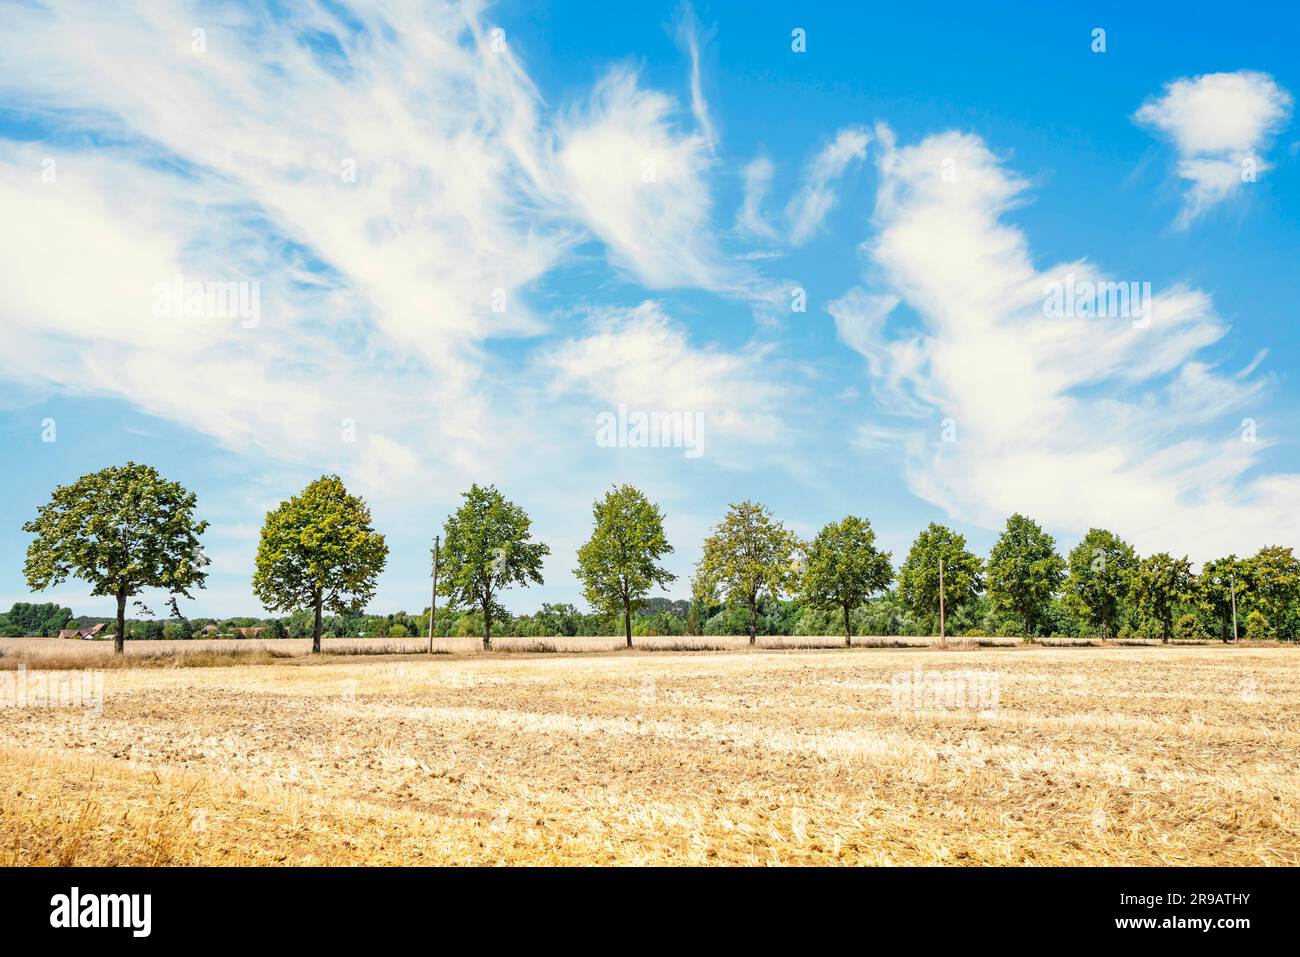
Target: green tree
<point x="1215" y="586"/>
<point x="619" y="564"/>
<point x="1024" y="571"/>
<point x="1160" y="582"/>
<point x="121" y="529"/>
<point x="26" y="618"/>
<point x="1188" y="628"/>
<point x="748" y="554"/>
<point x="319" y="550"/>
<point x="560" y="619"/>
<point x="1100" y="573"/>
<point x="843" y="568"/>
<point x="488" y="546"/>
<point x="918" y="578"/>
<point x="1256" y="626"/>
<point x="1275" y="584"/>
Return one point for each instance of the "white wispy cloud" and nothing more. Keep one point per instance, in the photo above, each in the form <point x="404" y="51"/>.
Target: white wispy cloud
<point x="690" y="35"/>
<point x="644" y="359"/>
<point x="640" y="185"/>
<point x="1220" y="124"/>
<point x="1077" y="421"/>
<point x="816" y="197"/>
<point x="757" y="179"/>
<point x="389" y="176"/>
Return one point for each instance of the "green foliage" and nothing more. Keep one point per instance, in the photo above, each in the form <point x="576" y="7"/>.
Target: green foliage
<point x="843" y="568"/>
<point x="1275" y="586"/>
<point x="1256" y="625"/>
<point x="26" y="619"/>
<point x="1188" y="628"/>
<point x="1100" y="574"/>
<point x="121" y="529"/>
<point x="1159" y="582"/>
<point x="1024" y="571"/>
<point x="1059" y="621"/>
<point x="749" y="554"/>
<point x="886" y="615"/>
<point x="918" y="578"/>
<point x="619" y="564"/>
<point x="319" y="550"/>
<point x="488" y="547"/>
<point x="1214" y="590"/>
<point x="769" y="616"/>
<point x="558" y="620"/>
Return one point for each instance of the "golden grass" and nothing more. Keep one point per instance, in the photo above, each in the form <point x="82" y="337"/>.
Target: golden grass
<point x="1092" y="756"/>
<point x="53" y="652"/>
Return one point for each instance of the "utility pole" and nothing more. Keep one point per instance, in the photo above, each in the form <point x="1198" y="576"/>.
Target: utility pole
<point x="433" y="603"/>
<point x="943" y="632"/>
<point x="1233" y="579"/>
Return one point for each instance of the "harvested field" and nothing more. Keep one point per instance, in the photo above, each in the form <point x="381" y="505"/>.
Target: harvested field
<point x="77" y="653"/>
<point x="1164" y="755"/>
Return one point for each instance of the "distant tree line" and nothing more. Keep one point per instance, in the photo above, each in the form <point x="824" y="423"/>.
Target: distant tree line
<point x="25" y="619"/>
<point x="319" y="559"/>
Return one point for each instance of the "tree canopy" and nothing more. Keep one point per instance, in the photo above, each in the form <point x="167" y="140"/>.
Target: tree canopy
<point x="319" y="550"/>
<point x="1100" y="573"/>
<point x="843" y="568"/>
<point x="1222" y="583"/>
<point x="748" y="554"/>
<point x="1160" y="581"/>
<point x="918" y="578"/>
<point x="619" y="564"/>
<point x="121" y="530"/>
<point x="1024" y="571"/>
<point x="29" y="619"/>
<point x="488" y="546"/>
<point x="1275" y="584"/>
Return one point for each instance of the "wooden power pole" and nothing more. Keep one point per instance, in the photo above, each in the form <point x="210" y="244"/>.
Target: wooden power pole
<point x="1233" y="579"/>
<point x="943" y="631"/>
<point x="433" y="602"/>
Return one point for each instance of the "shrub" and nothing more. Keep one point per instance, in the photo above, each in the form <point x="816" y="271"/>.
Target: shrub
<point x="1256" y="625"/>
<point x="975" y="633"/>
<point x="1149" y="628"/>
<point x="1188" y="628"/>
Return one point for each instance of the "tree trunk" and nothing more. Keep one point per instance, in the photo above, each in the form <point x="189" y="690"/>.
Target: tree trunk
<point x="119" y="647"/>
<point x="487" y="628"/>
<point x="627" y="622"/>
<point x="848" y="631"/>
<point x="316" y="625"/>
<point x="753" y="622"/>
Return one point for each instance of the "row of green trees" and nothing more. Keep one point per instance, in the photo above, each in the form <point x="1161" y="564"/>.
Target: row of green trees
<point x="125" y="529"/>
<point x="25" y="618"/>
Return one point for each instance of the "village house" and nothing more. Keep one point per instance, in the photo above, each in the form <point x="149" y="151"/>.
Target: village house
<point x="91" y="632"/>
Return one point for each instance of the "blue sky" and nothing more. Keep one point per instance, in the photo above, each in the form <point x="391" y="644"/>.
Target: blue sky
<point x="473" y="229"/>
